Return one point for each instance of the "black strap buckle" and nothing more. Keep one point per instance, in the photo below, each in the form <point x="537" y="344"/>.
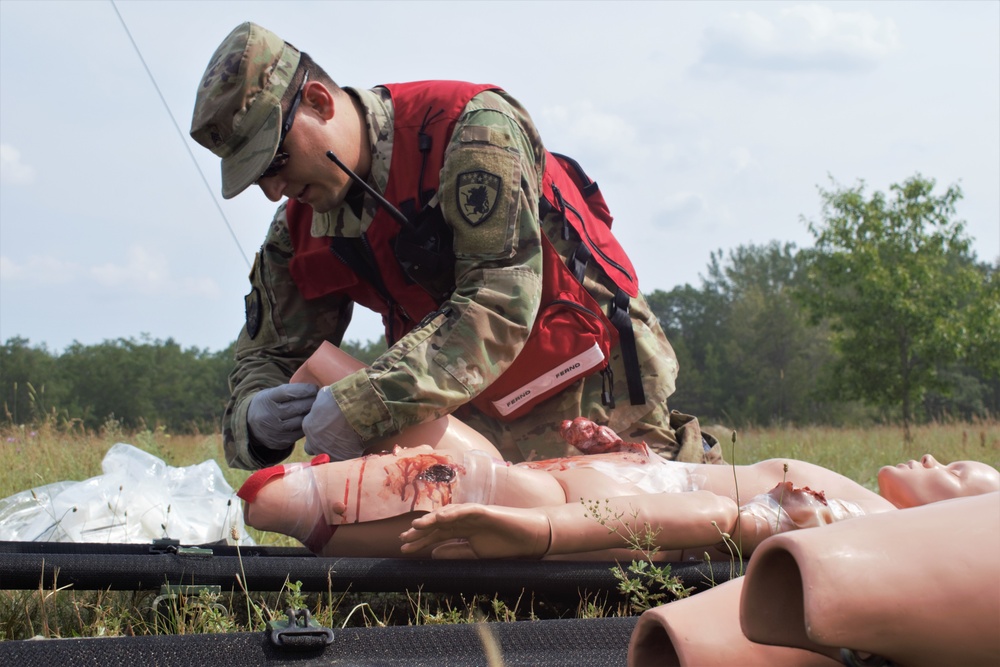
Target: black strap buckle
<point x="618" y="314"/>
<point x="166" y="545"/>
<point x="300" y="632"/>
<point x="578" y="261"/>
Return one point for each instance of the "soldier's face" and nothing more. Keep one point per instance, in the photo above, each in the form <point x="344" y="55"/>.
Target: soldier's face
<point x="307" y="175"/>
<point x="925" y="481"/>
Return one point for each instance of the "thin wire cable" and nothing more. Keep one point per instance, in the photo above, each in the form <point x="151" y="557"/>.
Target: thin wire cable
<point x="177" y="127"/>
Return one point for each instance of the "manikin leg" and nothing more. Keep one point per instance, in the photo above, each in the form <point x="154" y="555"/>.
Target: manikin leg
<point x="309" y="501"/>
<point x="915" y="586"/>
<point x="704" y="631"/>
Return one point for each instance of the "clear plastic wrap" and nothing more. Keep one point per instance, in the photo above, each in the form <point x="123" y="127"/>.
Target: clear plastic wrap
<point x="137" y="499"/>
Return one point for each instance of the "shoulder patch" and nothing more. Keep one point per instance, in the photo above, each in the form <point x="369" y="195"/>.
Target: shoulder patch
<point x="477" y="193"/>
<point x="252" y="304"/>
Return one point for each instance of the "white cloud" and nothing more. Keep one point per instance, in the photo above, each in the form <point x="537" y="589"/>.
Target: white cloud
<point x="588" y="126"/>
<point x="12" y="170"/>
<point x="141" y="272"/>
<point x="611" y="146"/>
<point x="679" y="208"/>
<point x="149" y="273"/>
<point x="39" y="270"/>
<point x="8" y="270"/>
<point x="740" y="158"/>
<point x="801" y="37"/>
<point x="201" y="287"/>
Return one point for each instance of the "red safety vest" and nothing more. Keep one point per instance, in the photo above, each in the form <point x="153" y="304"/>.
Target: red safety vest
<point x="571" y="337"/>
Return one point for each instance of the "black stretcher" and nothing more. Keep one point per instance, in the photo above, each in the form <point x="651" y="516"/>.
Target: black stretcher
<point x="598" y="642"/>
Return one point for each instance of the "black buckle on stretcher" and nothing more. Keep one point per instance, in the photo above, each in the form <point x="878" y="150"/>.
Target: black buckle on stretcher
<point x="300" y="632"/>
<point x="166" y="545"/>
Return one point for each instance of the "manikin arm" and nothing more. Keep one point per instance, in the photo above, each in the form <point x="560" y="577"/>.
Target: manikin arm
<point x="665" y="521"/>
<point x="672" y="521"/>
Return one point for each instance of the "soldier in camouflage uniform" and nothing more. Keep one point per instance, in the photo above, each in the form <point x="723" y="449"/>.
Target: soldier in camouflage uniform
<point x="246" y="113"/>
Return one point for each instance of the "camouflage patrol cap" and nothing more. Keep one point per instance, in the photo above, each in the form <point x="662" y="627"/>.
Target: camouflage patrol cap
<point x="237" y="112"/>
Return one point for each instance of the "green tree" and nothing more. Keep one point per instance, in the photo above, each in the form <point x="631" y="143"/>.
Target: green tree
<point x="894" y="276"/>
<point x="747" y="351"/>
<point x="773" y="354"/>
<point x="28" y="381"/>
<point x="366" y="352"/>
<point x="140" y="383"/>
<point x="693" y="320"/>
<point x="984" y="320"/>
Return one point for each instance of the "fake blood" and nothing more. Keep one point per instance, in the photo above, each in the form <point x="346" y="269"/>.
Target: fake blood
<point x="414" y="478"/>
<point x="791" y="488"/>
<point x="590" y="438"/>
<point x="361" y="477"/>
<point x="426" y="476"/>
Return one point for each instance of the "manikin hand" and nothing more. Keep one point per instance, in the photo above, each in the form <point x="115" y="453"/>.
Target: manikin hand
<point x="479" y="531"/>
<point x="328" y="432"/>
<point x="275" y="415"/>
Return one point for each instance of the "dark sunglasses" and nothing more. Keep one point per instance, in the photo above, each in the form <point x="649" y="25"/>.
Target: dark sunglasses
<point x="281" y="157"/>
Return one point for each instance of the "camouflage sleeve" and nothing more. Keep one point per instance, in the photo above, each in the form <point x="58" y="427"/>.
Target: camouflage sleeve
<point x="490" y="183"/>
<point x="282" y="329"/>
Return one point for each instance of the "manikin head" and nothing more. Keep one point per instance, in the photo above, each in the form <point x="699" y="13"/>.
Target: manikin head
<point x="271" y="113"/>
<point x="927" y="480"/>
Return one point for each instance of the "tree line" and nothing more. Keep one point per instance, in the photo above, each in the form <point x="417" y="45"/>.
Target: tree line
<point x="142" y="383"/>
<point x="889" y="316"/>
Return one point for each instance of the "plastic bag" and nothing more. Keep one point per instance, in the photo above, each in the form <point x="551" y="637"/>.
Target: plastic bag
<point x="138" y="499"/>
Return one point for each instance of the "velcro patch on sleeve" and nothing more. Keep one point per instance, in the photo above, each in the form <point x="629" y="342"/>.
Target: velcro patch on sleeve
<point x="479" y="198"/>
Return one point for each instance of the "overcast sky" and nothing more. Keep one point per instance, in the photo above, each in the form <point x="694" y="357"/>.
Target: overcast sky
<point x="708" y="125"/>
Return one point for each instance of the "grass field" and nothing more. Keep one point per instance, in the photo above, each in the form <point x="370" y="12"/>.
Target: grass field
<point x="34" y="456"/>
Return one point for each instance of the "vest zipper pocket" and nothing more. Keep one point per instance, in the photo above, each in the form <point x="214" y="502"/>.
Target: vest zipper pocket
<point x="566" y="206"/>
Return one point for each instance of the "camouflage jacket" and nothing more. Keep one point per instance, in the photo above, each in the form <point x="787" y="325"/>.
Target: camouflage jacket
<point x="497" y="271"/>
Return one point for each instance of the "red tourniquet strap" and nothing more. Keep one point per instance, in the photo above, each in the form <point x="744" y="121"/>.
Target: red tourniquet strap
<point x="256" y="481"/>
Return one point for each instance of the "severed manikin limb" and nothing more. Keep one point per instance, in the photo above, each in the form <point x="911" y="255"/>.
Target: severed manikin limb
<point x="704" y="631"/>
<point x="917" y="587"/>
<point x="920" y="586"/>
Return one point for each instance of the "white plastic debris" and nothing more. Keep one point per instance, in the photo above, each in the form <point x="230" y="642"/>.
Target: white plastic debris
<point x="138" y="499"/>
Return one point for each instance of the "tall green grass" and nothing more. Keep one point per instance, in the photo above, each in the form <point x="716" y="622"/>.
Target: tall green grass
<point x="858" y="453"/>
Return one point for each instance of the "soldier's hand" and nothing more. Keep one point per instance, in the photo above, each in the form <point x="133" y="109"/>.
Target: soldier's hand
<point x="328" y="432"/>
<point x="275" y="415"/>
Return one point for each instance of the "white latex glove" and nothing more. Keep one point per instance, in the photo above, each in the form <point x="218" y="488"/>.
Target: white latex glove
<point x="275" y="415"/>
<point x="327" y="430"/>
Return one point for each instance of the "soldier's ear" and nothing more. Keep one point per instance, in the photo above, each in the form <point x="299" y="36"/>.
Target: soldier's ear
<point x="320" y="99"/>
